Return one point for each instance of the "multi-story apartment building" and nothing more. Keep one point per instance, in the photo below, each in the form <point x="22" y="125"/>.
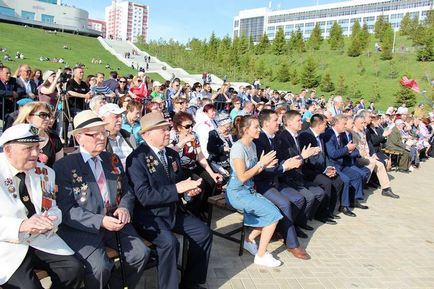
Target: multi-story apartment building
<point x="126" y="20"/>
<point x="98" y="25"/>
<point x="256" y="22"/>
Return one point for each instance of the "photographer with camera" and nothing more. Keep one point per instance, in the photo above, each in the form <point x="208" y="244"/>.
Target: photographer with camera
<point x="47" y="91"/>
<point x="77" y="93"/>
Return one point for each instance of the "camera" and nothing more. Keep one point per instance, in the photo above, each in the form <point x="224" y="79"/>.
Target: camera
<point x="64" y="77"/>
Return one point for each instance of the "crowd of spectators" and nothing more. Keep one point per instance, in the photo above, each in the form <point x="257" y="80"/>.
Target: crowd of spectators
<point x="285" y="158"/>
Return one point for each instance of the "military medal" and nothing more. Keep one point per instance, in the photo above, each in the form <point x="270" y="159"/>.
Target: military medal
<point x="25" y="199"/>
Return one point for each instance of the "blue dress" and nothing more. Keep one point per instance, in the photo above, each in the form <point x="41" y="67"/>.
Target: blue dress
<point x="258" y="211"/>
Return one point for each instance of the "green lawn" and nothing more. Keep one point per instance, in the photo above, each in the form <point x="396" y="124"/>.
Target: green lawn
<point x="33" y="43"/>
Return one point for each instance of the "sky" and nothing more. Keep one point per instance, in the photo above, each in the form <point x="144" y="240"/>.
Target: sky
<point x="186" y="19"/>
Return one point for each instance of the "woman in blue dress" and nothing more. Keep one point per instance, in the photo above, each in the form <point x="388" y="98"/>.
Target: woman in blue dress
<point x="259" y="212"/>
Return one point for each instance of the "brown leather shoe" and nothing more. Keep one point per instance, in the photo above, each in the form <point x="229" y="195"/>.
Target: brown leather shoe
<point x="299" y="253"/>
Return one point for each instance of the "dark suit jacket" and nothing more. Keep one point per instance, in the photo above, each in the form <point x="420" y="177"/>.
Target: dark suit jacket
<point x="156" y="197"/>
<point x="129" y="138"/>
<point x="350" y="159"/>
<point x="268" y="178"/>
<point x="6" y="90"/>
<point x="215" y="148"/>
<point x="337" y="153"/>
<point x="22" y="88"/>
<point x="377" y="138"/>
<point x="314" y="165"/>
<point x="83" y="209"/>
<point x="286" y="148"/>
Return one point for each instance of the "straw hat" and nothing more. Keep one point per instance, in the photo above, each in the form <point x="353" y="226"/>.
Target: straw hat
<point x="86" y="119"/>
<point x="47" y="74"/>
<point x="152" y="120"/>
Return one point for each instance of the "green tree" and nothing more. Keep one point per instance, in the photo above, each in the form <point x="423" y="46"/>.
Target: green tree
<point x="223" y="50"/>
<point x="336" y="39"/>
<point x="260" y="68"/>
<point x="296" y="42"/>
<point x="315" y="38"/>
<point x="341" y="87"/>
<point x="361" y="67"/>
<point x="244" y="44"/>
<point x="365" y="36"/>
<point x="405" y="25"/>
<point x="309" y="76"/>
<point x="355" y="48"/>
<point x="405" y="95"/>
<point x="327" y="84"/>
<point x="387" y="43"/>
<point x="212" y="45"/>
<point x="263" y="44"/>
<point x="293" y="77"/>
<point x="279" y="42"/>
<point x="283" y="72"/>
<point x="251" y="43"/>
<point x="380" y="26"/>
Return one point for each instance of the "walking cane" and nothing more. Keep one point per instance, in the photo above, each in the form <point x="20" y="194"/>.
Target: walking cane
<point x="121" y="260"/>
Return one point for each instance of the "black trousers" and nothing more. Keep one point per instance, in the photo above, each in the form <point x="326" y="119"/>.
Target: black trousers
<point x="200" y="241"/>
<point x="332" y="188"/>
<point x="66" y="272"/>
<point x="199" y="203"/>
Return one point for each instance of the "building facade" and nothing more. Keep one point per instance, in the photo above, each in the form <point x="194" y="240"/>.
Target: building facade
<point x="256" y="22"/>
<point x="46" y="13"/>
<point x="126" y="20"/>
<point x="98" y="25"/>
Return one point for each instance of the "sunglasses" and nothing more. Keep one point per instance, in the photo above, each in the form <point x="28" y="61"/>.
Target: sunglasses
<point x="188" y="126"/>
<point x="122" y="81"/>
<point x="43" y="115"/>
<point x="139" y="80"/>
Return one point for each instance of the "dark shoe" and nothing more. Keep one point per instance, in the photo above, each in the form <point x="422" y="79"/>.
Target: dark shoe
<point x="182" y="286"/>
<point x="358" y="205"/>
<point x="300" y="233"/>
<point x="327" y="221"/>
<point x="346" y="211"/>
<point x="333" y="216"/>
<point x="299" y="253"/>
<point x="306" y="227"/>
<point x="388" y="193"/>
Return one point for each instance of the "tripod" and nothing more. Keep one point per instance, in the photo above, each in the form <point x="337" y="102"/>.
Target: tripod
<point x="64" y="115"/>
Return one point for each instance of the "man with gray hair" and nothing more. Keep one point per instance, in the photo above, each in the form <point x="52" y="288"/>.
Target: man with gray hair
<point x="337" y="105"/>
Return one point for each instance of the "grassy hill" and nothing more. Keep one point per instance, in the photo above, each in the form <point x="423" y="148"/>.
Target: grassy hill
<point x="365" y="76"/>
<point x="33" y="43"/>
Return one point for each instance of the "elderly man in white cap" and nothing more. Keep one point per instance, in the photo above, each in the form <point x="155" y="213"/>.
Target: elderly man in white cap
<point x="120" y="141"/>
<point x="157" y="181"/>
<point x="29" y="217"/>
<point x="97" y="207"/>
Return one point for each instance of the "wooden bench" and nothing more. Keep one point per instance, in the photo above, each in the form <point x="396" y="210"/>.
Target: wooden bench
<point x="393" y="154"/>
<point x="220" y="202"/>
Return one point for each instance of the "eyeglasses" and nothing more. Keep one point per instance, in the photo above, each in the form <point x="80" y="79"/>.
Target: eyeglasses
<point x="122" y="81"/>
<point x="188" y="126"/>
<point x="43" y="115"/>
<point x="139" y="80"/>
<point x="97" y="134"/>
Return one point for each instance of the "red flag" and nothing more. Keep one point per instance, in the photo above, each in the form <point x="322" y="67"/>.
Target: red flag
<point x="410" y="83"/>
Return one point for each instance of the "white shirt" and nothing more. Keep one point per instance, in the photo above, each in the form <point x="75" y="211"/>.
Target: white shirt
<point x="27" y="85"/>
<point x="121" y="148"/>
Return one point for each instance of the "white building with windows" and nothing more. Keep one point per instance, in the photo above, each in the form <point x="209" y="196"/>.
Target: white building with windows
<point x="126" y="20"/>
<point x="256" y="22"/>
<point x="51" y="14"/>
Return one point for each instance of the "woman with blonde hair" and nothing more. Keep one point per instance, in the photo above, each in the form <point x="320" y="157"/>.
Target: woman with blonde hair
<point x="39" y="114"/>
<point x="138" y="89"/>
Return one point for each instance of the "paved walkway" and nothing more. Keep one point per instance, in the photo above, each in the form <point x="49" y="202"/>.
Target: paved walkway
<point x="391" y="245"/>
<point x="118" y="49"/>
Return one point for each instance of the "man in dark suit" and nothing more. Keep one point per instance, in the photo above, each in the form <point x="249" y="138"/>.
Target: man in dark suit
<point x="96" y="203"/>
<point x="288" y="146"/>
<point x="26" y="85"/>
<point x="315" y="168"/>
<point x="8" y="91"/>
<point x="155" y="177"/>
<point x="267" y="184"/>
<point x="338" y="156"/>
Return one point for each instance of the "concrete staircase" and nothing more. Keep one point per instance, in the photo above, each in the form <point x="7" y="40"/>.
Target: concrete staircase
<point x="118" y="49"/>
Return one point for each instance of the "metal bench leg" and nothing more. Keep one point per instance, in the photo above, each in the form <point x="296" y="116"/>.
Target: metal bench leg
<point x="243" y="234"/>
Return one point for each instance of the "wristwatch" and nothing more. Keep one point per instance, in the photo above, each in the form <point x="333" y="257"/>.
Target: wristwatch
<point x="261" y="165"/>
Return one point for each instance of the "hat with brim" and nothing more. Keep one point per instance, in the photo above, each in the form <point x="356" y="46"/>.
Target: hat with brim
<point x="152" y="121"/>
<point x="21" y="133"/>
<point x="110" y="108"/>
<point x="86" y="119"/>
<point x="47" y="74"/>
